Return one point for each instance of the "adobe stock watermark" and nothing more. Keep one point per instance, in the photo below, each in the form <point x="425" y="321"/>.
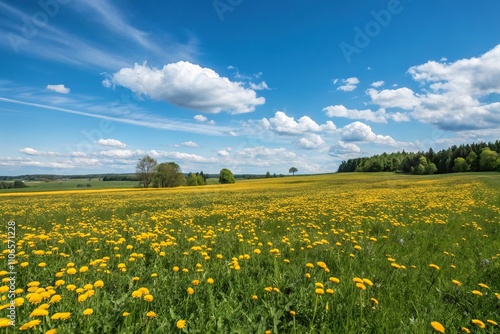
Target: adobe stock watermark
<point x="363" y="36"/>
<point x="223" y="6"/>
<point x="31" y="25"/>
<point x="11" y="265"/>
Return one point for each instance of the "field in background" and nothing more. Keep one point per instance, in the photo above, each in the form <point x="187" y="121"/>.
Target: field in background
<point x="343" y="253"/>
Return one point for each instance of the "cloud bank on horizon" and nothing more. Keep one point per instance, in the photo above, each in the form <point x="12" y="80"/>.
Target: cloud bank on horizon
<point x="215" y="94"/>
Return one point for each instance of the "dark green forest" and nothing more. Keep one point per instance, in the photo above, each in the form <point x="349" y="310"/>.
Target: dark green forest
<point x="473" y="157"/>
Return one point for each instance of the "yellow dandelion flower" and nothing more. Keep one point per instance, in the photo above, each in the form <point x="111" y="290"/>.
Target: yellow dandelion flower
<point x="457" y="283"/>
<point x="61" y="316"/>
<point x="88" y="311"/>
<point x="35" y="298"/>
<point x="210" y="280"/>
<point x="44" y="306"/>
<point x="180" y="324"/>
<point x="477" y="292"/>
<point x="30" y="324"/>
<point x="478" y="323"/>
<point x="18" y="301"/>
<point x="330" y="291"/>
<point x="82" y="298"/>
<point x="374" y="301"/>
<point x="494" y="323"/>
<point x="465" y="329"/>
<point x="434" y="266"/>
<point x="125" y="314"/>
<point x="51" y="331"/>
<point x="256" y="251"/>
<point x="148" y="298"/>
<point x="42" y="264"/>
<point x="71" y="271"/>
<point x="195" y="282"/>
<point x="319" y="285"/>
<point x="334" y="280"/>
<point x="84" y="269"/>
<point x="321" y="264"/>
<point x="33" y="284"/>
<point x="151" y="314"/>
<point x="190" y="291"/>
<point x="24" y="264"/>
<point x="98" y="284"/>
<point x="308" y="275"/>
<point x="437" y="327"/>
<point x="4" y="322"/>
<point x="482" y="285"/>
<point x="309" y="265"/>
<point x="319" y="291"/>
<point x="136" y="294"/>
<point x="38" y="313"/>
<point x="254" y="297"/>
<point x="135" y="279"/>
<point x="367" y="281"/>
<point x="361" y="286"/>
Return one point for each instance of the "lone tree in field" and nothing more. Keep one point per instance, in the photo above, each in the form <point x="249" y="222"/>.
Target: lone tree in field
<point x="293" y="170"/>
<point x="226" y="176"/>
<point x="145" y="170"/>
<point x="168" y="174"/>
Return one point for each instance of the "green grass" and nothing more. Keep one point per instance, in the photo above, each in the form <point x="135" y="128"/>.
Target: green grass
<point x="71" y="184"/>
<point x="451" y="221"/>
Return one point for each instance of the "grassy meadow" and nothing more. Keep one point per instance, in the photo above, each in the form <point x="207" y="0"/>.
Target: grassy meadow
<point x="342" y="253"/>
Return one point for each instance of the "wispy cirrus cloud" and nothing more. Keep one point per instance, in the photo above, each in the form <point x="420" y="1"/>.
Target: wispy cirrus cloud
<point x="143" y="120"/>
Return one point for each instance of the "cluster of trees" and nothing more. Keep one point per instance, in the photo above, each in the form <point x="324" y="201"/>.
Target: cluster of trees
<point x="169" y="174"/>
<point x="15" y="184"/>
<point x="464" y="158"/>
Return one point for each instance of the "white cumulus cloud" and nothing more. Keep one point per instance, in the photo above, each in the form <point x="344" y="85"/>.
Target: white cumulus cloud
<point x="361" y="132"/>
<point x="349" y="84"/>
<point x="200" y="118"/>
<point x="61" y="89"/>
<point x="111" y="142"/>
<point x="190" y="86"/>
<point x="281" y="123"/>
<point x="377" y="84"/>
<point x="189" y="143"/>
<point x="379" y="116"/>
<point x="403" y="98"/>
<point x="32" y="151"/>
<point x="312" y="141"/>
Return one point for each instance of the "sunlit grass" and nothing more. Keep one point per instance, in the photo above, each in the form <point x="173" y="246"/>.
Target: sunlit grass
<point x="353" y="253"/>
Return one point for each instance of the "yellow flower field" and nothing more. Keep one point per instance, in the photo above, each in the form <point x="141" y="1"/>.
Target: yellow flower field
<point x="343" y="253"/>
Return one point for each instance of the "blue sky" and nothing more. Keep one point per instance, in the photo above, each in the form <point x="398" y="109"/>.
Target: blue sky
<point x="253" y="86"/>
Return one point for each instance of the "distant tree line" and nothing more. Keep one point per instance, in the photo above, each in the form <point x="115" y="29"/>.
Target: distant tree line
<point x="473" y="157"/>
<point x="120" y="177"/>
<point x="169" y="174"/>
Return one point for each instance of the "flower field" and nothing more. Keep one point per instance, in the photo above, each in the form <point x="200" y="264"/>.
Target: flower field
<point x="343" y="253"/>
